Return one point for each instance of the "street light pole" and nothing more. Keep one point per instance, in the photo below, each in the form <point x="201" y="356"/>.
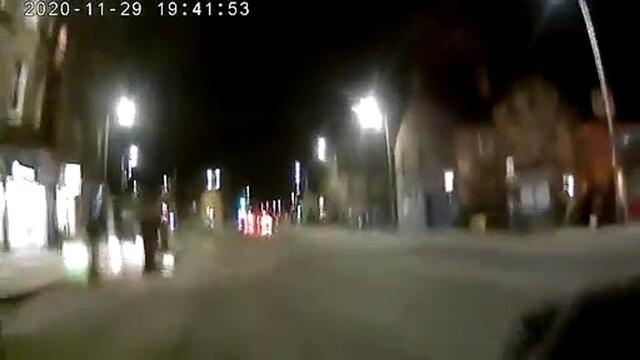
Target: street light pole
<point x="391" y="177"/>
<point x="370" y="117"/>
<point x="620" y="198"/>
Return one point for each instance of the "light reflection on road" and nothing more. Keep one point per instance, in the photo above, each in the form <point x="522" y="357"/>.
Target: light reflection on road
<point x="116" y="259"/>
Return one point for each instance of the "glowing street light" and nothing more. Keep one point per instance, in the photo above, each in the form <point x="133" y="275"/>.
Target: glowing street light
<point x="126" y="111"/>
<point x="322" y="148"/>
<point x="370" y="117"/>
<point x="368" y="113"/>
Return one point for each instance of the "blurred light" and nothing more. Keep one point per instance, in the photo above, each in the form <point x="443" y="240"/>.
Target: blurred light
<point x="279" y="206"/>
<point x="248" y="194"/>
<point x="135" y="187"/>
<point x="114" y="251"/>
<point x="620" y="184"/>
<point x="296" y="176"/>
<point x="299" y="213"/>
<point x="266" y="224"/>
<point x="75" y="256"/>
<point x="133" y="252"/>
<point x="168" y="261"/>
<point x="250" y="228"/>
<point x="511" y="173"/>
<point x="164" y="211"/>
<point x="165" y="183"/>
<point x="210" y="214"/>
<point x="66" y="198"/>
<point x="133" y="156"/>
<point x="209" y="179"/>
<point x="322" y="149"/>
<point x="73" y="179"/>
<point x="126" y="111"/>
<point x="568" y="184"/>
<point x="293" y="200"/>
<point x="168" y="264"/>
<point x="321" y="208"/>
<point x="242" y="214"/>
<point x="448" y="181"/>
<point x="26" y="213"/>
<point x="368" y="113"/>
<point x="172" y="221"/>
<point x="216" y="183"/>
<point x="22" y="172"/>
<point x="273" y="206"/>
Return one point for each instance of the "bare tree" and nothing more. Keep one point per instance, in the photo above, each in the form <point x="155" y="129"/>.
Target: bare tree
<point x="534" y="125"/>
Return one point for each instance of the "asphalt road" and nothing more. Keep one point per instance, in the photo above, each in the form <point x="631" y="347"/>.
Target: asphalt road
<point x="327" y="293"/>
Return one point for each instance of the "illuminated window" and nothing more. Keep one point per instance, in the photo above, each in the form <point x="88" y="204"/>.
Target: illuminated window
<point x="448" y="181"/>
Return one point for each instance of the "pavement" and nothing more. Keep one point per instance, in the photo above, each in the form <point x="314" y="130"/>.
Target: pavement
<point x="327" y="293"/>
<point x="23" y="272"/>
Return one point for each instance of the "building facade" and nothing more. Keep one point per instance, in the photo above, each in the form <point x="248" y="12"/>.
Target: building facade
<point x="425" y="176"/>
<point x="40" y="179"/>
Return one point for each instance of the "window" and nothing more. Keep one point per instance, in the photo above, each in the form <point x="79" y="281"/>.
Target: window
<point x="535" y="196"/>
<point x="16" y="101"/>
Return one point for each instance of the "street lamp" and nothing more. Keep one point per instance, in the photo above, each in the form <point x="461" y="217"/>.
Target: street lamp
<point x="370" y="117"/>
<point x="368" y="113"/>
<point x="607" y="98"/>
<point x="126" y="111"/>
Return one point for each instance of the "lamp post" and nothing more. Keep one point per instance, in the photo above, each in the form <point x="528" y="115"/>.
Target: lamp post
<point x="370" y="117"/>
<point x="607" y="97"/>
<point x="125" y="113"/>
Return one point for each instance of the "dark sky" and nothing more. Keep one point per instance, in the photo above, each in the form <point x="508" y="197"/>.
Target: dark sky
<point x="249" y="93"/>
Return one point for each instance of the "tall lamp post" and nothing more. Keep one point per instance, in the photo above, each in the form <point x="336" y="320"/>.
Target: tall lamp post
<point x="607" y="99"/>
<point x="621" y="203"/>
<point x="125" y="113"/>
<point x="370" y="117"/>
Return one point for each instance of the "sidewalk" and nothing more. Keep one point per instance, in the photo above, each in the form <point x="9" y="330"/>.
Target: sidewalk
<point x="23" y="272"/>
<point x="567" y="240"/>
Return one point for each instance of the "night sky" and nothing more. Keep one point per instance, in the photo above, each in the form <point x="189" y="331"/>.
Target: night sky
<point x="249" y="93"/>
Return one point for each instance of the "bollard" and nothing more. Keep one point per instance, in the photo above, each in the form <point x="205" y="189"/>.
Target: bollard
<point x="593" y="222"/>
<point x="479" y="223"/>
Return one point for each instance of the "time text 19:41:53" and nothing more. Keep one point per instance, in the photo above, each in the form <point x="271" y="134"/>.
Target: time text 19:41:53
<point x="213" y="8"/>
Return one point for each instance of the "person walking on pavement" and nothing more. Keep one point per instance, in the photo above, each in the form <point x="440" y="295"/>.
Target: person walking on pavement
<point x="149" y="217"/>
